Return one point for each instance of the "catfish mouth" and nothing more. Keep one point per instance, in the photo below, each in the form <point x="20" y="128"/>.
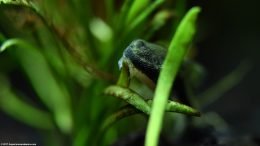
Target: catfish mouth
<point x="120" y="62"/>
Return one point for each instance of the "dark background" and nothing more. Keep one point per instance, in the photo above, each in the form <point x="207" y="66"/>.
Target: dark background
<point x="229" y="32"/>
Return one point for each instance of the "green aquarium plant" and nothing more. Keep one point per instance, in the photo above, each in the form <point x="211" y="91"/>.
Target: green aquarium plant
<point x="74" y="55"/>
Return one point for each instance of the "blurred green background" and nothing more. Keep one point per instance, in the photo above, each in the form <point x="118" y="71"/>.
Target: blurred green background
<point x="228" y="33"/>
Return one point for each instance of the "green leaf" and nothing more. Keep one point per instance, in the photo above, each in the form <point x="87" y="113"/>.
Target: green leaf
<point x="9" y="43"/>
<point x="121" y="22"/>
<point x="12" y="105"/>
<point x="141" y="105"/>
<point x="158" y="21"/>
<point x="144" y="15"/>
<point x="15" y="2"/>
<point x="130" y="110"/>
<point x="130" y="97"/>
<point x="136" y="8"/>
<point x="175" y="107"/>
<point x="177" y="50"/>
<point x="123" y="112"/>
<point x="52" y="94"/>
<point x="24" y="3"/>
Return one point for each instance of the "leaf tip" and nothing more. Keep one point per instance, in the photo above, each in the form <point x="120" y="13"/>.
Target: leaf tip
<point x="195" y="11"/>
<point x="2" y="48"/>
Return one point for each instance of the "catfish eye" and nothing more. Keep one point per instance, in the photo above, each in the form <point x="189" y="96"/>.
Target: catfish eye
<point x="139" y="43"/>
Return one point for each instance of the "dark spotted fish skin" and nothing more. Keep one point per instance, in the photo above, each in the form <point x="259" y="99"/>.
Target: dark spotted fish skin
<point x="146" y="57"/>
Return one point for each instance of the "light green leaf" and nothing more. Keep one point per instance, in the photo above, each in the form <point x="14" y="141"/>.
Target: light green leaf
<point x="15" y="2"/>
<point x="177" y="50"/>
<point x="9" y="43"/>
<point x="25" y="3"/>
